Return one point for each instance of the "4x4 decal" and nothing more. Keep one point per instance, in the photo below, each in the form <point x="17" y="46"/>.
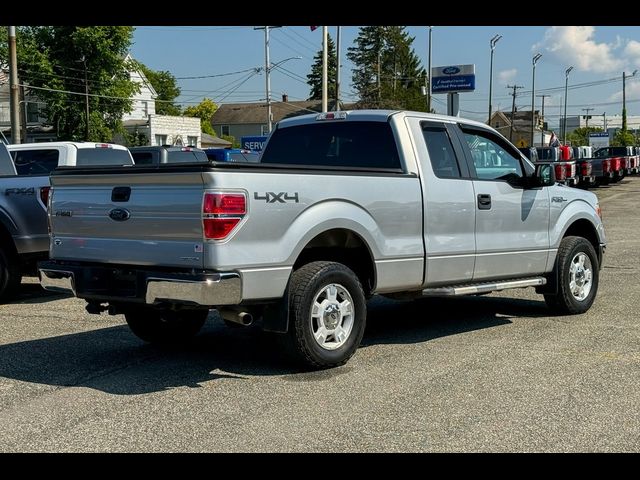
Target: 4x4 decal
<point x="280" y="197"/>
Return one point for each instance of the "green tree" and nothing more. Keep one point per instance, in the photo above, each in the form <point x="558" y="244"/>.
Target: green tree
<point x="165" y="85"/>
<point x="314" y="79"/>
<point x="54" y="60"/>
<point x="387" y="71"/>
<point x="580" y="136"/>
<point x="622" y="138"/>
<point x="204" y="111"/>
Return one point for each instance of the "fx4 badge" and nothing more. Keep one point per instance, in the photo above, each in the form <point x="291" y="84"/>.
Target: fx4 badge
<point x="280" y="197"/>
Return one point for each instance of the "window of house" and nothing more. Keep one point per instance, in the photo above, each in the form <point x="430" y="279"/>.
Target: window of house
<point x="264" y="130"/>
<point x="224" y="130"/>
<point x="145" y="107"/>
<point x="33" y="112"/>
<point x="161" y="139"/>
<point x="192" y="141"/>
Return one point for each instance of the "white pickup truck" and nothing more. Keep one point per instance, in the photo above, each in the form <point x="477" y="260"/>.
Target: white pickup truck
<point x="342" y="206"/>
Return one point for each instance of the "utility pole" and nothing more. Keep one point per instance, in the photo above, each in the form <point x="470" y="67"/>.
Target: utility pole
<point x="429" y="73"/>
<point x="338" y="68"/>
<point x="535" y="59"/>
<point x="513" y="109"/>
<point x="86" y="99"/>
<point x="267" y="72"/>
<point x="542" y="115"/>
<point x="604" y="121"/>
<point x="13" y="86"/>
<point x="586" y="117"/>
<point x="324" y="69"/>
<point x="379" y="59"/>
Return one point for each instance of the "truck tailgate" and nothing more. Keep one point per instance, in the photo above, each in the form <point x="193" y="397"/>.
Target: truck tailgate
<point x="142" y="218"/>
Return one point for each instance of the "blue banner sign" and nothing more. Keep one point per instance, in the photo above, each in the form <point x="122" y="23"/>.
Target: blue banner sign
<point x="255" y="143"/>
<point x="454" y="78"/>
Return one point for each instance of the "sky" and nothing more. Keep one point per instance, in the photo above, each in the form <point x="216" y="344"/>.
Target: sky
<point x="599" y="55"/>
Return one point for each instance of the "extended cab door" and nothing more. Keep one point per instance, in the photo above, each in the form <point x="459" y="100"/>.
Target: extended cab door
<point x="449" y="203"/>
<point x="512" y="222"/>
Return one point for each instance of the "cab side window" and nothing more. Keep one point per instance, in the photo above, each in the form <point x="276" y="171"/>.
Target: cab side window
<point x="491" y="158"/>
<point x="441" y="152"/>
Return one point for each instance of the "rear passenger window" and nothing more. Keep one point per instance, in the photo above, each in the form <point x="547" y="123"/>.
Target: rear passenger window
<point x="186" y="156"/>
<point x="441" y="153"/>
<point x="367" y="145"/>
<point x="35" y="162"/>
<point x="142" y="158"/>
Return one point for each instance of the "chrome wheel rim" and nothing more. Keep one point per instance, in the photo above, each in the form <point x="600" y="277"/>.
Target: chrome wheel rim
<point x="332" y="315"/>
<point x="580" y="276"/>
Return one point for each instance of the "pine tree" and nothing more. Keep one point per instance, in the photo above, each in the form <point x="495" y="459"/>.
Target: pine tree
<point x="314" y="79"/>
<point x="365" y="55"/>
<point x="396" y="82"/>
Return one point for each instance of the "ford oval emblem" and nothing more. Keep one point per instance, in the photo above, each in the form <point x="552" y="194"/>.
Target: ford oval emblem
<point x="450" y="70"/>
<point x="119" y="214"/>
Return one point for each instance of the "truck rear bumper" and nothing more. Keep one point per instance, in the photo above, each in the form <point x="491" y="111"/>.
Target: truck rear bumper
<point x="124" y="284"/>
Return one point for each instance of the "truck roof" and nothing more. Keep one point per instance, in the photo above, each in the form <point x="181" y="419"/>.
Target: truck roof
<point x="27" y="146"/>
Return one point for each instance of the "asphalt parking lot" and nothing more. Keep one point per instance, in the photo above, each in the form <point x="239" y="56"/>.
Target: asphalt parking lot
<point x="488" y="373"/>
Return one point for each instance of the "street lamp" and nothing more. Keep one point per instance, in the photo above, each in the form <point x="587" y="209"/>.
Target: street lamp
<point x="566" y="87"/>
<point x="536" y="57"/>
<point x="492" y="42"/>
<point x="268" y="68"/>
<point x="429" y="91"/>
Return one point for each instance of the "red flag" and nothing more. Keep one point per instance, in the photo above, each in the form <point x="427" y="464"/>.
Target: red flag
<point x="313" y="28"/>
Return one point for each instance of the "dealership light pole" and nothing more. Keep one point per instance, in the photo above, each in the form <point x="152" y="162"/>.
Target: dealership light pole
<point x="566" y="89"/>
<point x="536" y="57"/>
<point x="543" y="122"/>
<point x="429" y="90"/>
<point x="267" y="69"/>
<point x="492" y="42"/>
<point x="14" y="88"/>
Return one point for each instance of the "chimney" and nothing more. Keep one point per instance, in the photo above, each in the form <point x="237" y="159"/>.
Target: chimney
<point x="285" y="97"/>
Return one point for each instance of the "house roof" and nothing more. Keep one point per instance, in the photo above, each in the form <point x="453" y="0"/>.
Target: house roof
<point x="146" y="82"/>
<point x="211" y="140"/>
<point x="251" y="113"/>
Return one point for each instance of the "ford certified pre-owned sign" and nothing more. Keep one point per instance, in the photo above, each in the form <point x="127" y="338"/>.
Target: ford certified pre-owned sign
<point x="454" y="78"/>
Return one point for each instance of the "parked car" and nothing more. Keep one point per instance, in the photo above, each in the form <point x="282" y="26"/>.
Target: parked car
<point x="342" y="206"/>
<point x="232" y="155"/>
<point x="42" y="158"/>
<point x="563" y="163"/>
<point x="155" y="155"/>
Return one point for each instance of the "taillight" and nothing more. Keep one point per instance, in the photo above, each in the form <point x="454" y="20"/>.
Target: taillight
<point x="568" y="170"/>
<point x="606" y="166"/>
<point x="585" y="169"/>
<point x="221" y="213"/>
<point x="44" y="195"/>
<point x="560" y="172"/>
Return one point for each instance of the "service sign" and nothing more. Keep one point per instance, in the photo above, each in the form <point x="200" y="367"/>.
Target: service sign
<point x="454" y="78"/>
<point x="255" y="143"/>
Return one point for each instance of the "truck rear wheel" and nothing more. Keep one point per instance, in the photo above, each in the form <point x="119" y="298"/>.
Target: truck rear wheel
<point x="10" y="276"/>
<point x="165" y="326"/>
<point x="327" y="314"/>
<point x="577" y="272"/>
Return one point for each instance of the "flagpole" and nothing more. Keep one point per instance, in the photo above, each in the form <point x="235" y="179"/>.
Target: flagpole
<point x="324" y="69"/>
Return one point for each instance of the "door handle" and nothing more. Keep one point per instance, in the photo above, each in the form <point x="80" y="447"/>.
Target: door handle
<point x="484" y="201"/>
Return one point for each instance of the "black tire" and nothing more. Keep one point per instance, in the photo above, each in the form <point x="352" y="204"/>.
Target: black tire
<point x="10" y="275"/>
<point x="564" y="302"/>
<point x="307" y="283"/>
<point x="165" y="326"/>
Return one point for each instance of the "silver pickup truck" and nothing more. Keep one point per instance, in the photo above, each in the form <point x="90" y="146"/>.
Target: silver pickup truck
<point x="23" y="224"/>
<point x="342" y="206"/>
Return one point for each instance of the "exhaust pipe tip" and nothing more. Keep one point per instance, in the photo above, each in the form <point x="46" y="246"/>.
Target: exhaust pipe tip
<point x="242" y="318"/>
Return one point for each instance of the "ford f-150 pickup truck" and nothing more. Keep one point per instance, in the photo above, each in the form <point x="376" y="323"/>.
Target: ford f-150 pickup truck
<point x="342" y="206"/>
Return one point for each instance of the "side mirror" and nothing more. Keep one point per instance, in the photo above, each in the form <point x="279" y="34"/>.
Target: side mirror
<point x="544" y="176"/>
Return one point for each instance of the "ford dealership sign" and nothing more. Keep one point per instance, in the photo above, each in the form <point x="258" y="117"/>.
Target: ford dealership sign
<point x="454" y="78"/>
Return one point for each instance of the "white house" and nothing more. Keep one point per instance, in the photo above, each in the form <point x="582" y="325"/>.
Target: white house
<point x="158" y="129"/>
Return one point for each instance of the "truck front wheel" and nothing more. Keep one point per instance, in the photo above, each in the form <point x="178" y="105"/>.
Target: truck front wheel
<point x="165" y="326"/>
<point x="327" y="314"/>
<point x="10" y="276"/>
<point x="577" y="273"/>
